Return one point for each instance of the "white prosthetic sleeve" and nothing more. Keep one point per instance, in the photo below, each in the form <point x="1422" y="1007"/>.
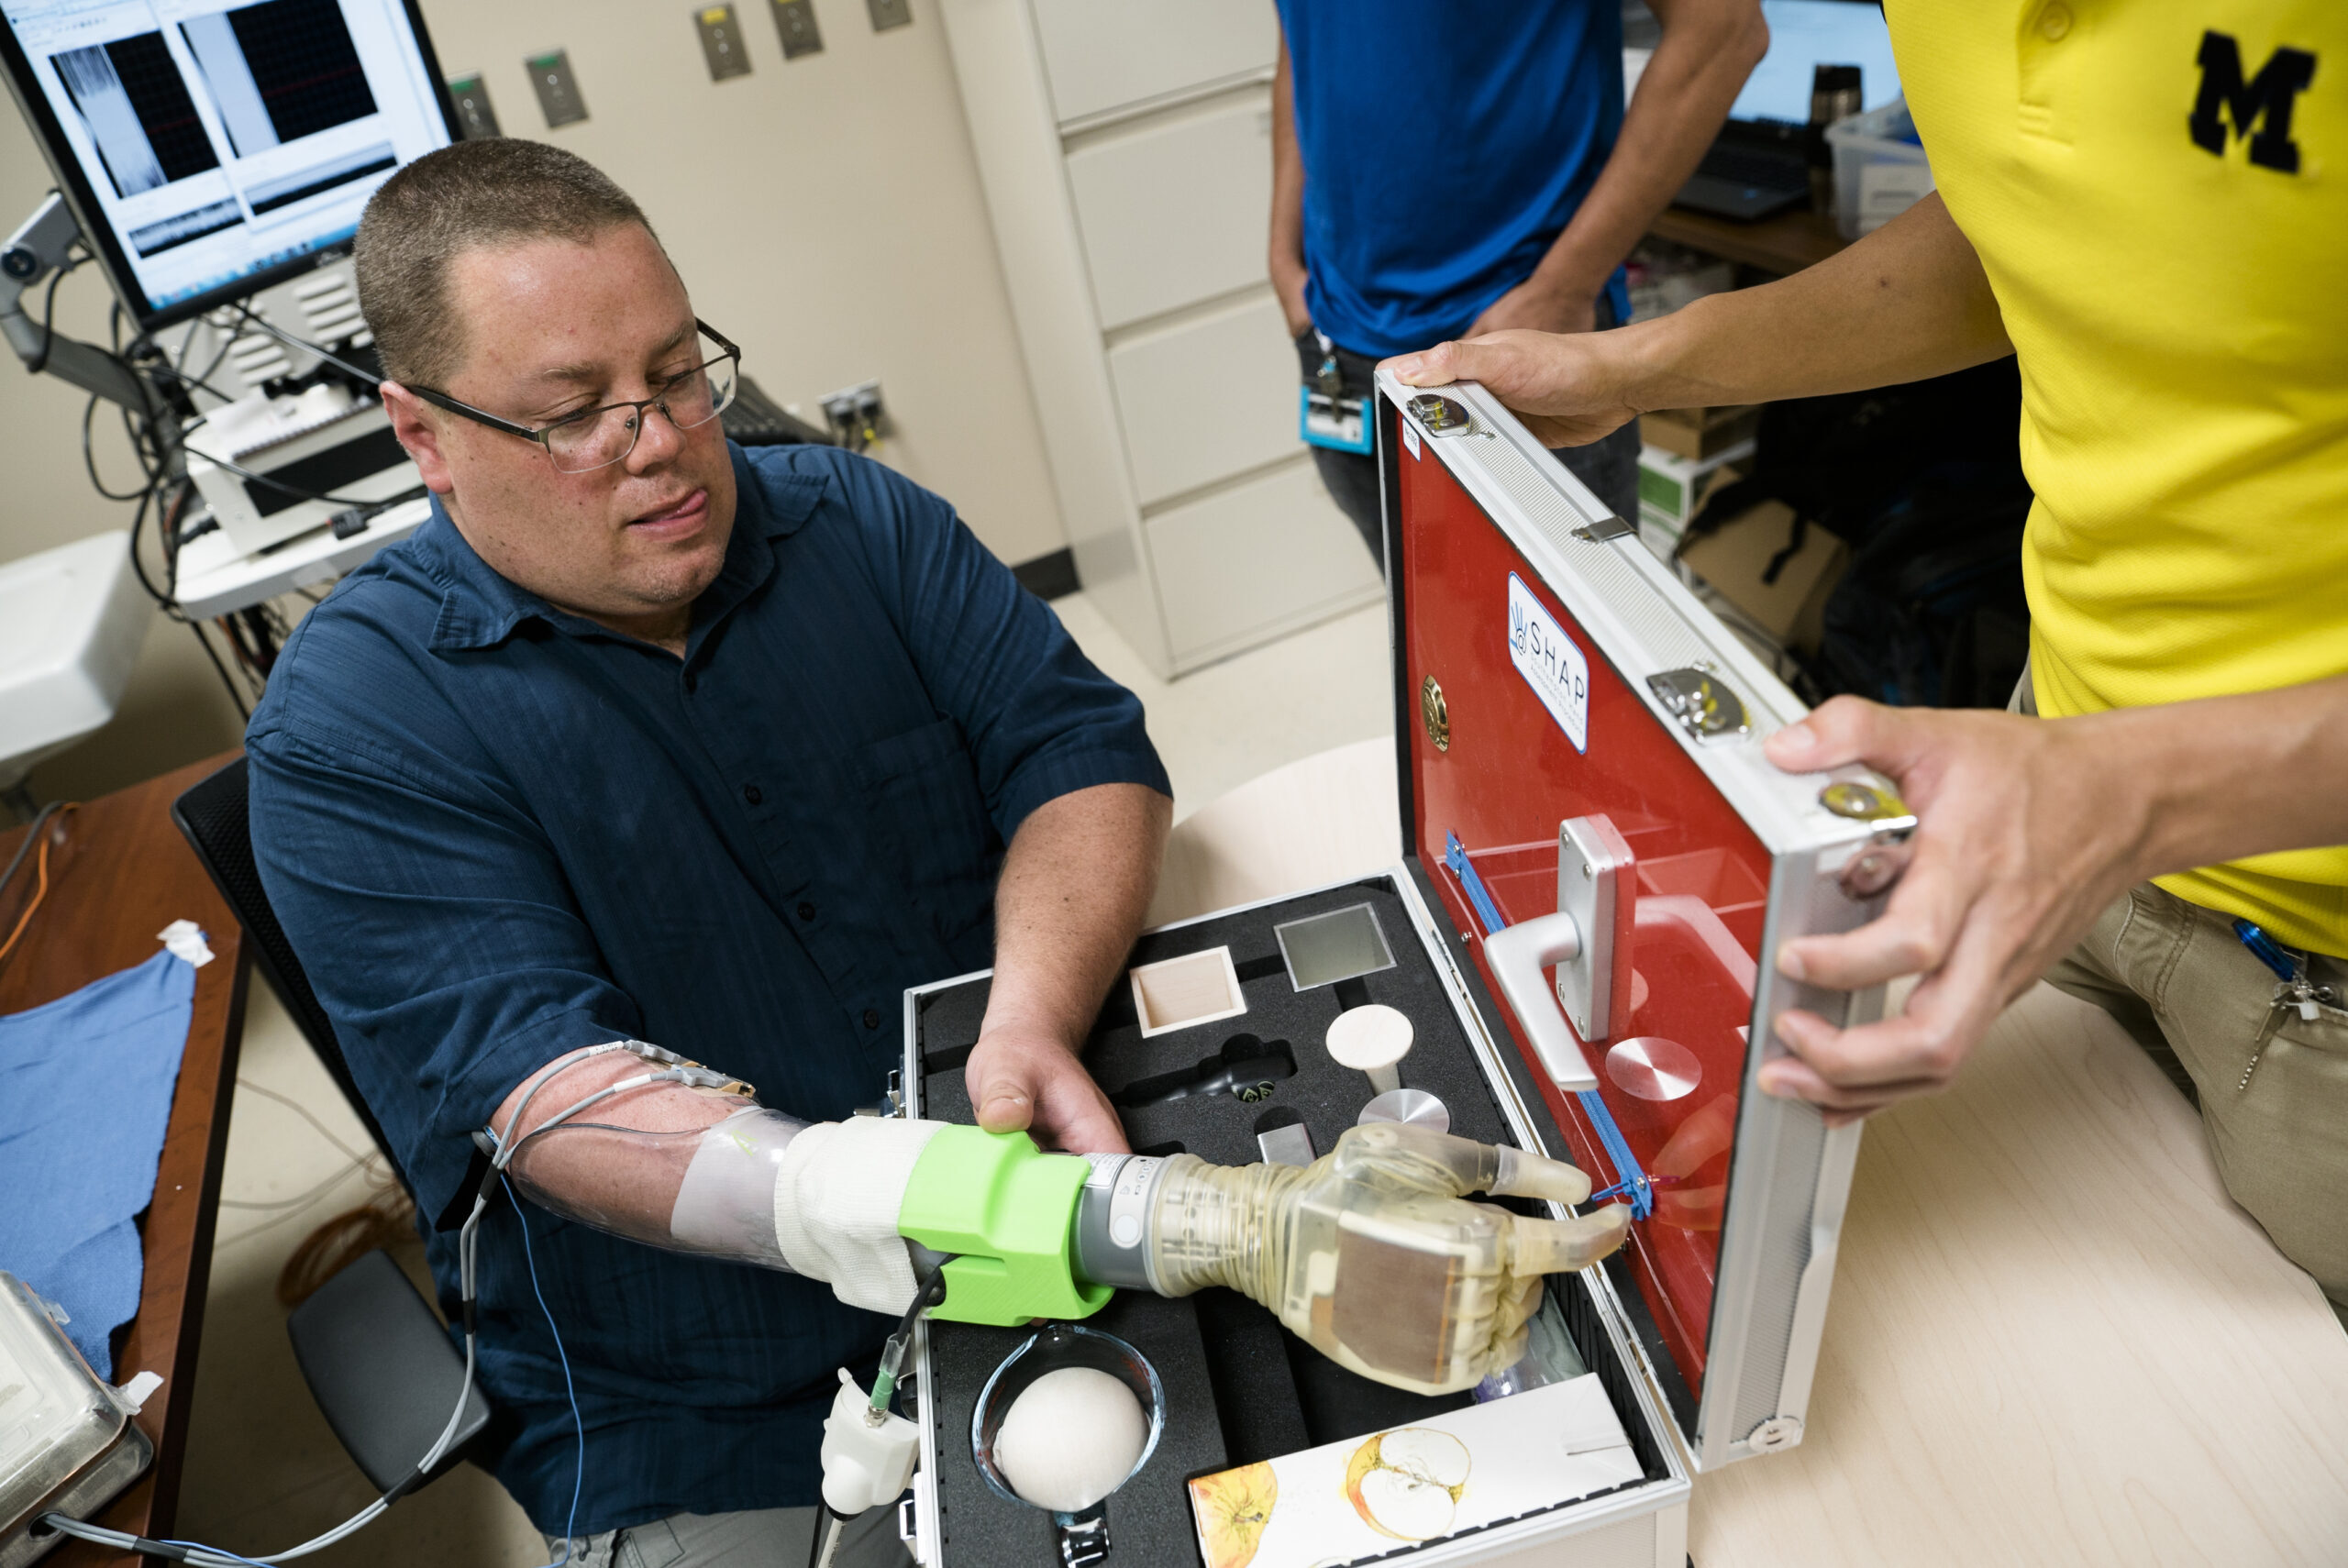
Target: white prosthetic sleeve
<point x="836" y="1193"/>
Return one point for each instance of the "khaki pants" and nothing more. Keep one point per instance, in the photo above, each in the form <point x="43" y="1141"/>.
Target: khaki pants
<point x="2272" y="1086"/>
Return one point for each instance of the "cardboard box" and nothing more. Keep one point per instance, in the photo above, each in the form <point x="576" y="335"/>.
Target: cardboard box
<point x="1673" y="489"/>
<point x="1734" y="557"/>
<point x="1700" y="432"/>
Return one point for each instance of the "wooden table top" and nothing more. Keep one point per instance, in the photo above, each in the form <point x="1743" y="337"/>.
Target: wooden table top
<point x="119" y="873"/>
<point x="2053" y="1338"/>
<point x="1787" y="243"/>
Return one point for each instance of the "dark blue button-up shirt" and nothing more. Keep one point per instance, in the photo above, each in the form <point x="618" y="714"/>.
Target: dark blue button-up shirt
<point x="495" y="832"/>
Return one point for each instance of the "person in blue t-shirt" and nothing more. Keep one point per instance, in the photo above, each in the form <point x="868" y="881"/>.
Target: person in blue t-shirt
<point x="1440" y="172"/>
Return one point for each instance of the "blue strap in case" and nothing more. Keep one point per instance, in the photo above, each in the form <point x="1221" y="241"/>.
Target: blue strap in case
<point x="1630" y="1181"/>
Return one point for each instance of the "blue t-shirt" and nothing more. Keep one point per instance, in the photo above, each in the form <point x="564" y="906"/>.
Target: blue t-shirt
<point x="1445" y="147"/>
<point x="495" y="832"/>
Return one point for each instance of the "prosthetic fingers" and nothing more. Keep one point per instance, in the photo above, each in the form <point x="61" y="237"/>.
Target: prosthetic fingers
<point x="1369" y="1255"/>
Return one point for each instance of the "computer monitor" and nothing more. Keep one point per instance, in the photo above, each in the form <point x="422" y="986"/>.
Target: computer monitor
<point x="1804" y="34"/>
<point x="209" y="147"/>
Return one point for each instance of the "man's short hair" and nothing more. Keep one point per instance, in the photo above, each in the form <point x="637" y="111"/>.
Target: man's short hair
<point x="466" y="197"/>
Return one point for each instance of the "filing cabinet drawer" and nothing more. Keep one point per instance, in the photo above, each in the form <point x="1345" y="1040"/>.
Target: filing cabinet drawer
<point x="1248" y="561"/>
<point x="1178" y="210"/>
<point x="1207" y="399"/>
<point x="1104" y="54"/>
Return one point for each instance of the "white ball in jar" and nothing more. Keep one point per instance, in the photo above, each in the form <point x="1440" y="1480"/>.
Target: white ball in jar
<point x="1071" y="1439"/>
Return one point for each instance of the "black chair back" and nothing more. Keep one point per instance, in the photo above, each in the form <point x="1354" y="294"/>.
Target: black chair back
<point x="212" y="814"/>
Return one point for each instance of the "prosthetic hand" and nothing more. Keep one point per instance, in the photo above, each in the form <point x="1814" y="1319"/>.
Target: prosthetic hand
<point x="1368" y="1255"/>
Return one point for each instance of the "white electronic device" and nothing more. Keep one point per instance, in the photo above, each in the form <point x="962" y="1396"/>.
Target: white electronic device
<point x="67" y="1445"/>
<point x="72" y="621"/>
<point x="259" y="461"/>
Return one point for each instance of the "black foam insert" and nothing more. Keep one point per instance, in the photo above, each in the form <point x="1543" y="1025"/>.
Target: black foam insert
<point x="1239" y="1386"/>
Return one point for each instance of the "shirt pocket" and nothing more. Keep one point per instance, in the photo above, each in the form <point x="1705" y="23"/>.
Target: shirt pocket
<point x="930" y="823"/>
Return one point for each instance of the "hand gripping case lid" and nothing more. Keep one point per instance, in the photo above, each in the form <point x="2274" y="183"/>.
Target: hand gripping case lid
<point x="1582" y="786"/>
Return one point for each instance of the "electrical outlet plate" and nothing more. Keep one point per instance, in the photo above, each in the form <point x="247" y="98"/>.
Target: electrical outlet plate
<point x="796" y="20"/>
<point x="558" y="89"/>
<point x="721" y="42"/>
<point x="887" y="13"/>
<point x="475" y="119"/>
<point x="853" y="406"/>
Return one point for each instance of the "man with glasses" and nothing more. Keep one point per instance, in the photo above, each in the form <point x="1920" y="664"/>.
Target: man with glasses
<point x="643" y="737"/>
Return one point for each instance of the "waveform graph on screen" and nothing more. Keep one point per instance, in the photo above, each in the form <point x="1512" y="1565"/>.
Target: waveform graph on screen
<point x="138" y="111"/>
<point x="303" y="66"/>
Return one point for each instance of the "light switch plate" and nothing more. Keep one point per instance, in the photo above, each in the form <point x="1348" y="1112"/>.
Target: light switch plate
<point x="887" y="13"/>
<point x="796" y="20"/>
<point x="558" y="89"/>
<point x="476" y="121"/>
<point x="721" y="42"/>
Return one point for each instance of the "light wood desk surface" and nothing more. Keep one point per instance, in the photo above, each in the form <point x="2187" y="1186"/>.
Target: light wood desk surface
<point x="2053" y="1339"/>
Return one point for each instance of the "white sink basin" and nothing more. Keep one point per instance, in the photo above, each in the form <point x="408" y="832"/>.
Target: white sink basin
<point x="72" y="621"/>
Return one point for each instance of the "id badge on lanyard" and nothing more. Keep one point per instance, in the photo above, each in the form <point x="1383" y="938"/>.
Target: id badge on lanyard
<point x="1325" y="416"/>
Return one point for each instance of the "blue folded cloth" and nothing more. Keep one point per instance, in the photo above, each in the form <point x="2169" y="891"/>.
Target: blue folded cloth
<point x="86" y="1094"/>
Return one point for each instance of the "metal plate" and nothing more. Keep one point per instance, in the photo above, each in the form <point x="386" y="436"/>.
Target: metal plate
<point x="1416" y="1108"/>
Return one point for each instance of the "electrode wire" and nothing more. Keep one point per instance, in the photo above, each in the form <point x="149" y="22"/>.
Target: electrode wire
<point x="41" y="888"/>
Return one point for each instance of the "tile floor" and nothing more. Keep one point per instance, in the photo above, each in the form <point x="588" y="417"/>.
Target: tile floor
<point x="264" y="1472"/>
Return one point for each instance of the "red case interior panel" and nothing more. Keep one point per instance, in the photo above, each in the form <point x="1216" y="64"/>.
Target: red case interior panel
<point x="1688" y="913"/>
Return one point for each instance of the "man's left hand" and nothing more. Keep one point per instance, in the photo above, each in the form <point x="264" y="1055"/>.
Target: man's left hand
<point x="1021" y="1077"/>
<point x="2027" y="829"/>
<point x="1535" y="304"/>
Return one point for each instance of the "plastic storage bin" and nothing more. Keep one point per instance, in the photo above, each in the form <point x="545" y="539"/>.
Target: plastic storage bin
<point x="1880" y="170"/>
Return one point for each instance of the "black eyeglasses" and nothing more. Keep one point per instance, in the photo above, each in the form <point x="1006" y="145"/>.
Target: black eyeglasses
<point x="598" y="437"/>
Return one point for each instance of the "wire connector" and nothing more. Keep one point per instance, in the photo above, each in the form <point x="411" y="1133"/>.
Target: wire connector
<point x="866" y="1463"/>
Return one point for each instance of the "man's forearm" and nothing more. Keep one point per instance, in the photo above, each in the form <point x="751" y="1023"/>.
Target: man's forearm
<point x="2229" y="777"/>
<point x="1907" y="302"/>
<point x="1708" y="49"/>
<point x="628" y="1179"/>
<point x="1075" y="885"/>
<point x="1286" y="261"/>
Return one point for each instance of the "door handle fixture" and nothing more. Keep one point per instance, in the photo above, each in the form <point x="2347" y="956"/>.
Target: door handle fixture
<point x="1518" y="956"/>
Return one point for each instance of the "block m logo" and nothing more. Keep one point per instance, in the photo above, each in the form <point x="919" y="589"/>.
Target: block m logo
<point x="2264" y="102"/>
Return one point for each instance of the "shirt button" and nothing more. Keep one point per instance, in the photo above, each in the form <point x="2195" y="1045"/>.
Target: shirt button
<point x="2054" y="22"/>
<point x="806" y="912"/>
<point x="871" y="1018"/>
<point x="751" y="793"/>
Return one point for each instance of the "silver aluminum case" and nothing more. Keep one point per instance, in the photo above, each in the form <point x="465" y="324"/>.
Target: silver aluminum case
<point x="1637" y="1525"/>
<point x="1791" y="1175"/>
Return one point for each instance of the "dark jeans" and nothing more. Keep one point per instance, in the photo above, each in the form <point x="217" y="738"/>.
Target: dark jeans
<point x="1609" y="466"/>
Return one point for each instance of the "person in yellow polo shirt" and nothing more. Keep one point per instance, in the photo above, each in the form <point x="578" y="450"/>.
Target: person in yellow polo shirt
<point x="2147" y="202"/>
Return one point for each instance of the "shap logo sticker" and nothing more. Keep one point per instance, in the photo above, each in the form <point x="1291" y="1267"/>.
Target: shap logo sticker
<point x="1550" y="661"/>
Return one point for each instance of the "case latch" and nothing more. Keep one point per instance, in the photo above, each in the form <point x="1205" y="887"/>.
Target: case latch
<point x="1440" y="415"/>
<point x="1702" y="701"/>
